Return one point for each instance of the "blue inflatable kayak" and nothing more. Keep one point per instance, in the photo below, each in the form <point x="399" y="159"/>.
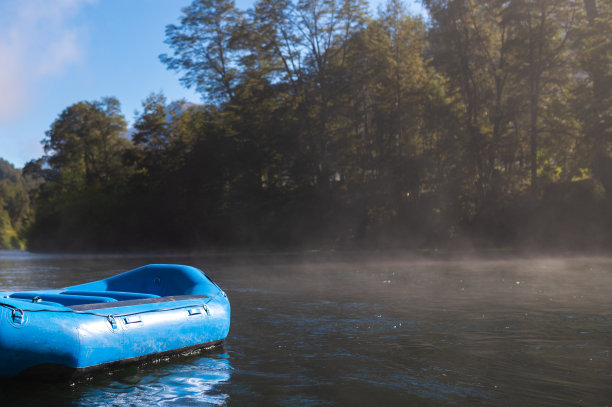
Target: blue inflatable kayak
<point x="148" y="312"/>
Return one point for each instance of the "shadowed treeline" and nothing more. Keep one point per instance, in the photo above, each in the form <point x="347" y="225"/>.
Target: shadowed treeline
<point x="326" y="126"/>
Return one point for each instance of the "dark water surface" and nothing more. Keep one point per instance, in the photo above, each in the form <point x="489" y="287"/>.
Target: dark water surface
<point x="324" y="330"/>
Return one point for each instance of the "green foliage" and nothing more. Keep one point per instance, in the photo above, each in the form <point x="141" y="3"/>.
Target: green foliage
<point x="15" y="207"/>
<point x="84" y="144"/>
<point x="85" y="177"/>
<point x="203" y="44"/>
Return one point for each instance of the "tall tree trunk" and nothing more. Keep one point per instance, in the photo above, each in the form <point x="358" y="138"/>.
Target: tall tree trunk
<point x="536" y="38"/>
<point x="533" y="128"/>
<point x="593" y="129"/>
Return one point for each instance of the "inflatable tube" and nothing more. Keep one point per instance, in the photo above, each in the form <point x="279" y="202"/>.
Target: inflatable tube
<point x="148" y="312"/>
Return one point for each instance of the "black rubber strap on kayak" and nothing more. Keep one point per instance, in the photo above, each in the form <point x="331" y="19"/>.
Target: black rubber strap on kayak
<point x="127" y="303"/>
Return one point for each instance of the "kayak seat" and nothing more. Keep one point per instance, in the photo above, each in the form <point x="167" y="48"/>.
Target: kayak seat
<point x="61" y="298"/>
<point x="162" y="280"/>
<point x="117" y="295"/>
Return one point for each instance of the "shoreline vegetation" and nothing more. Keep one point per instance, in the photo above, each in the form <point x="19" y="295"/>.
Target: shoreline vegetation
<point x="319" y="256"/>
<point x="485" y="126"/>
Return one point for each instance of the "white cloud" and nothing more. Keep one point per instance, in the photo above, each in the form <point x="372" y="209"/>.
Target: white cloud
<point x="38" y="39"/>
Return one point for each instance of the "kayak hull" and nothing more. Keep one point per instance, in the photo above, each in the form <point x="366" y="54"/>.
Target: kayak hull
<point x="57" y="372"/>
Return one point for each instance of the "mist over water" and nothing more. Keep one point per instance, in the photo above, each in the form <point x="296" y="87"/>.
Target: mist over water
<point x="354" y="329"/>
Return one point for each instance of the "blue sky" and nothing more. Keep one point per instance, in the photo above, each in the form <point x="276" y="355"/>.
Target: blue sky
<point x="54" y="53"/>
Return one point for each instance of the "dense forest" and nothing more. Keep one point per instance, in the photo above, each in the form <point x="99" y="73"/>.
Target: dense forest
<point x="485" y="123"/>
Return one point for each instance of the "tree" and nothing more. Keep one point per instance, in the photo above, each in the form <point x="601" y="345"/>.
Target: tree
<point x="84" y="145"/>
<point x="593" y="50"/>
<point x="203" y="48"/>
<point x="152" y="125"/>
<point x="509" y="63"/>
<point x="79" y="204"/>
<point x="544" y="28"/>
<point x="15" y="205"/>
<point x="469" y="45"/>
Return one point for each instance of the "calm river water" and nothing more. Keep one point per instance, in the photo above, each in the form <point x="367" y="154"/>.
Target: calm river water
<point x="331" y="330"/>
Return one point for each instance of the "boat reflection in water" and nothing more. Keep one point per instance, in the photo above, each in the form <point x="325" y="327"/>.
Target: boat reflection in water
<point x="184" y="379"/>
<point x="178" y="380"/>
